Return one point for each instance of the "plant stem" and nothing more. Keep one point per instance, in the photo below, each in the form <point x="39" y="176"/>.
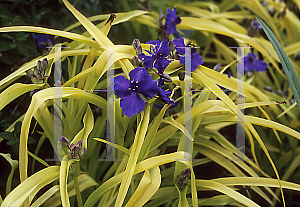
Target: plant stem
<point x="171" y="198"/>
<point x="76" y="184"/>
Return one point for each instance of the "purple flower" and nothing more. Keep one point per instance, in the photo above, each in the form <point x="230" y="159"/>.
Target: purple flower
<point x="196" y="59"/>
<point x="255" y="24"/>
<point x="164" y="96"/>
<point x="172" y="20"/>
<point x="254" y="63"/>
<point x="153" y="42"/>
<point x="133" y="92"/>
<point x="171" y="107"/>
<point x="158" y="54"/>
<point x="44" y="40"/>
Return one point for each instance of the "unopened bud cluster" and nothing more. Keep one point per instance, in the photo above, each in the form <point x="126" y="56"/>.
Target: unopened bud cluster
<point x="74" y="151"/>
<point x="182" y="179"/>
<point x="37" y="76"/>
<point x="136" y="44"/>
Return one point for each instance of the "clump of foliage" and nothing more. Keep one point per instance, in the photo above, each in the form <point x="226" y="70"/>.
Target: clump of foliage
<point x="138" y="125"/>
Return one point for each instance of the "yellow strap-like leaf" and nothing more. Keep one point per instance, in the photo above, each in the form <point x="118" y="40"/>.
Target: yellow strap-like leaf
<point x="146" y="189"/>
<point x="90" y="27"/>
<point x="30" y="186"/>
<point x="37" y="100"/>
<point x="15" y="91"/>
<point x="226" y="190"/>
<point x="134" y="154"/>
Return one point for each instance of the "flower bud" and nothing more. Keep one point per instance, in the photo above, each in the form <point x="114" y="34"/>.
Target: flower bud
<point x="64" y="141"/>
<point x="79" y="144"/>
<point x="39" y="66"/>
<point x="161" y="16"/>
<point x="29" y="73"/>
<point x="138" y="50"/>
<point x="136" y="61"/>
<point x="44" y="64"/>
<point x="172" y="46"/>
<point x="39" y="76"/>
<point x="136" y="43"/>
<point x="72" y="146"/>
<point x="217" y="67"/>
<point x="182" y="179"/>
<point x="76" y="151"/>
<point x="35" y="71"/>
<point x="82" y="152"/>
<point x="33" y="79"/>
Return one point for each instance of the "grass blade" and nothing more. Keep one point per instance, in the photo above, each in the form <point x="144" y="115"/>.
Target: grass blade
<point x="286" y="64"/>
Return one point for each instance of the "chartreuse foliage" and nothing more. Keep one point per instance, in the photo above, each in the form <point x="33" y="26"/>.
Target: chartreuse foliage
<point x="145" y="142"/>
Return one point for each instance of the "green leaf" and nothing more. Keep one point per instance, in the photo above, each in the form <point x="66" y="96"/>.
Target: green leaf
<point x="286" y="64"/>
<point x="8" y="36"/>
<point x="14" y="165"/>
<point x="5" y="45"/>
<point x="17" y="127"/>
<point x="12" y="142"/>
<point x="7" y="135"/>
<point x="22" y="36"/>
<point x="31" y="140"/>
<point x="38" y="159"/>
<point x="24" y="48"/>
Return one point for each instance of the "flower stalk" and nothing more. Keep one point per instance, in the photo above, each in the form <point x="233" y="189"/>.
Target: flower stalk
<point x="76" y="184"/>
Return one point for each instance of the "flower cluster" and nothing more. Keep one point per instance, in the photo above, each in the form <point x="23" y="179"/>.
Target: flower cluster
<point x="182" y="178"/>
<point x="73" y="151"/>
<point x="133" y="92"/>
<point x="158" y="55"/>
<point x="37" y="76"/>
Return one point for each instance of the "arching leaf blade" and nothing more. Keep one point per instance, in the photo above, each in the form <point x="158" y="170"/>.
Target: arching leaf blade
<point x="286" y="63"/>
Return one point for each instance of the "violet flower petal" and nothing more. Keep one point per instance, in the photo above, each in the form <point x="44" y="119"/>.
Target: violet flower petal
<point x="132" y="104"/>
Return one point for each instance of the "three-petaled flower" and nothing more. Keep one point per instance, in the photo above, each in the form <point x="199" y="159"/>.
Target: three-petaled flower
<point x="196" y="59"/>
<point x="134" y="91"/>
<point x="44" y="40"/>
<point x="254" y="63"/>
<point x="158" y="54"/>
<point x="172" y="20"/>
